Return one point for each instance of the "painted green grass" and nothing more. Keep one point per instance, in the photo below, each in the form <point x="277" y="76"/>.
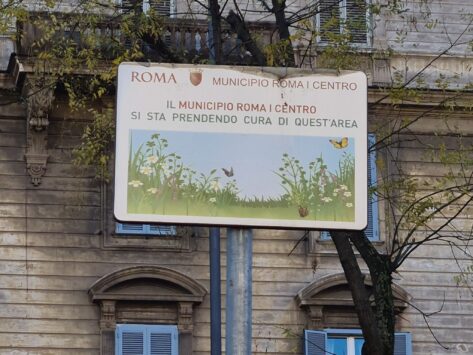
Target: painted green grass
<point x="193" y="208"/>
<point x="160" y="183"/>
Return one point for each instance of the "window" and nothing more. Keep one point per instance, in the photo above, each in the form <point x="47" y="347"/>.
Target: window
<point x="144" y="229"/>
<point x="372" y="229"/>
<point x="140" y="235"/>
<point x="162" y="7"/>
<point x="339" y="18"/>
<point x="347" y="342"/>
<point x="152" y="236"/>
<point x="139" y="339"/>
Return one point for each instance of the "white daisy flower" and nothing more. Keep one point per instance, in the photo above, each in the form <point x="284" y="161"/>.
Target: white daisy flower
<point x="135" y="183"/>
<point x="152" y="159"/>
<point x="214" y="185"/>
<point x="146" y="170"/>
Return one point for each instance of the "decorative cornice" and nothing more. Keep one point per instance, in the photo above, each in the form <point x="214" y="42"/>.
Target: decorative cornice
<point x="102" y="289"/>
<point x="308" y="295"/>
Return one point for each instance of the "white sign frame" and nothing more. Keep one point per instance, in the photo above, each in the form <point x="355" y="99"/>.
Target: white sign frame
<point x="330" y="107"/>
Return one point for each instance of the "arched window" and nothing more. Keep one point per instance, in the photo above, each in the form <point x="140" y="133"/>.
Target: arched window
<point x="332" y="321"/>
<point x="148" y="302"/>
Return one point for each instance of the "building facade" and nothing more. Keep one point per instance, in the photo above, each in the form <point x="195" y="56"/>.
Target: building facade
<point x="75" y="281"/>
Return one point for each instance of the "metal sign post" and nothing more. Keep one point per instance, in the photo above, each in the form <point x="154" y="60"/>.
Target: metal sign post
<point x="215" y="294"/>
<point x="239" y="291"/>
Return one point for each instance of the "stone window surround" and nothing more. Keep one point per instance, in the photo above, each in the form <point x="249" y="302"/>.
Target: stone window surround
<point x="321" y="296"/>
<point x="112" y="289"/>
<point x="181" y="242"/>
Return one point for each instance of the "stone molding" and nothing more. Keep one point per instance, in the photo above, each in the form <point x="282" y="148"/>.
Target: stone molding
<point x="308" y="295"/>
<point x="382" y="72"/>
<point x="192" y="290"/>
<point x="185" y="314"/>
<point x="107" y="314"/>
<point x="324" y="293"/>
<point x="39" y="95"/>
<point x="146" y="287"/>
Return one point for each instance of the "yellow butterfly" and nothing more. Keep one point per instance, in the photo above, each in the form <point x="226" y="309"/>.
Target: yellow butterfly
<point x="341" y="144"/>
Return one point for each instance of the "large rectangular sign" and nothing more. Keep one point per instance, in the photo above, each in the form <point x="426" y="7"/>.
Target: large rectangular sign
<point x="241" y="146"/>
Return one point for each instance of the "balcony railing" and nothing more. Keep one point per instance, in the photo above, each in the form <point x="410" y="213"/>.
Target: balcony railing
<point x="186" y="37"/>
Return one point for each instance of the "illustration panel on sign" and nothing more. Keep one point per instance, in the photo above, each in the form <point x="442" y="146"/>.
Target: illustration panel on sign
<point x="179" y="173"/>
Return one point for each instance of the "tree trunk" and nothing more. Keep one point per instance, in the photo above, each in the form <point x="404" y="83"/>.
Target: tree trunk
<point x="279" y="7"/>
<point x="380" y="269"/>
<point x="215" y="33"/>
<point x="361" y="296"/>
<point x="238" y="26"/>
<point x="157" y="44"/>
<point x="384" y="300"/>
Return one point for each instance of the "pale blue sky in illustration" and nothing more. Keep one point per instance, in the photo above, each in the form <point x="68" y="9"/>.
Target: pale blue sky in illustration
<point x="254" y="157"/>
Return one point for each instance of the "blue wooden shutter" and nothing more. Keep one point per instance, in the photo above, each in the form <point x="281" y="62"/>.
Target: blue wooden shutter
<point x="356" y="20"/>
<point x="328" y="18"/>
<point x="130" y="228"/>
<point x="162" y="230"/>
<point x="144" y="229"/>
<point x="160" y="344"/>
<point x="162" y="7"/>
<point x="130" y="340"/>
<point x="402" y="344"/>
<point x="163" y="340"/>
<point x="128" y="5"/>
<point x="140" y="339"/>
<point x="315" y="342"/>
<point x="372" y="230"/>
